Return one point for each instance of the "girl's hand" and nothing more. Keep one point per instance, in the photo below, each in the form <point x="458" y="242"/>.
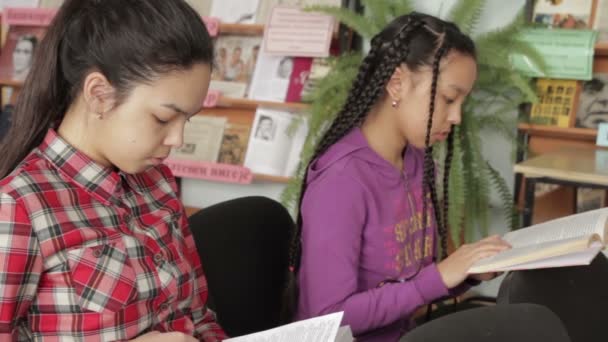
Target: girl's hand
<point x="453" y="269"/>
<point x="155" y="336"/>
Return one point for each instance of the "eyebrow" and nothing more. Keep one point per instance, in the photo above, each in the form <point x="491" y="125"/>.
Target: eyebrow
<point x="179" y="110"/>
<point x="458" y="89"/>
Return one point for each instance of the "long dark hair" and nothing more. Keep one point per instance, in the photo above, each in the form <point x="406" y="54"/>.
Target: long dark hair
<point x="415" y="40"/>
<point x="129" y="41"/>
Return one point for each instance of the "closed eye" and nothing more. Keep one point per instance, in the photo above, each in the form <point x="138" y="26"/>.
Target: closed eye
<point x="449" y="101"/>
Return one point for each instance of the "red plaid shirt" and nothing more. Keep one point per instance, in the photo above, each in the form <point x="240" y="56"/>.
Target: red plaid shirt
<point x="87" y="253"/>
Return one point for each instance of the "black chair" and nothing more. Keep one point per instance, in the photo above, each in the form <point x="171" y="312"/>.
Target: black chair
<point x="5" y="120"/>
<point x="243" y="245"/>
<point x="578" y="295"/>
<point x="504" y="323"/>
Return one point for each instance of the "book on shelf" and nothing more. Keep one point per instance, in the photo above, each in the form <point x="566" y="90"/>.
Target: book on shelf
<point x="202" y="139"/>
<point x="275" y="143"/>
<point x="203" y="8"/>
<point x="593" y="102"/>
<point x="235" y="60"/>
<point x="568" y="14"/>
<point x="600" y="22"/>
<point x="299" y="78"/>
<point x="568" y="241"/>
<point x="235" y="11"/>
<point x="557" y="102"/>
<point x="318" y="329"/>
<point x="234" y="143"/>
<point x="271" y="78"/>
<point x="265" y="6"/>
<point x="19" y="3"/>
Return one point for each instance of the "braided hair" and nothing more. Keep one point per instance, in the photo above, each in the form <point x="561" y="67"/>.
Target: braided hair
<point x="415" y="40"/>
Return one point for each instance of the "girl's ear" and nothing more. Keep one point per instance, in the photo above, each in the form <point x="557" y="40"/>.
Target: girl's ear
<point x="399" y="83"/>
<point x="98" y="94"/>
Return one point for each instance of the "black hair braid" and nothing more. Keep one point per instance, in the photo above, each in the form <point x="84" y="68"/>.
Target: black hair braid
<point x="428" y="181"/>
<point x="368" y="86"/>
<point x="446" y="181"/>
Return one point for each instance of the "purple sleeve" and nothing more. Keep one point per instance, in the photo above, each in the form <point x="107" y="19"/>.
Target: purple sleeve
<point x="333" y="222"/>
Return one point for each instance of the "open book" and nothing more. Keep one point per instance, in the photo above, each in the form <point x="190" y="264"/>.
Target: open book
<point x="276" y="142"/>
<point x="568" y="241"/>
<point x="318" y="329"/>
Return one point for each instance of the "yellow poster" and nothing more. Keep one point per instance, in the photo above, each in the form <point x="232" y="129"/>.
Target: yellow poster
<point x="557" y="102"/>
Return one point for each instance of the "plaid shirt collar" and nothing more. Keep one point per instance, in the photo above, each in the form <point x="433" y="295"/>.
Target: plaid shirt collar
<point x="106" y="184"/>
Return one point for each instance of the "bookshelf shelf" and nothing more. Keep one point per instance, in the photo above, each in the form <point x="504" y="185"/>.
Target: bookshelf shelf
<point x="585" y="134"/>
<point x="249" y="29"/>
<point x="11" y="83"/>
<point x="253" y="104"/>
<point x="273" y="179"/>
<point x="601" y="49"/>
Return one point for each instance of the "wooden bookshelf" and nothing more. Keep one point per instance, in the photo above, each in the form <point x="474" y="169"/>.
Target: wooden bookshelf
<point x="248" y="104"/>
<point x="585" y="134"/>
<point x="248" y="29"/>
<point x="273" y="179"/>
<point x="11" y="83"/>
<point x="601" y="49"/>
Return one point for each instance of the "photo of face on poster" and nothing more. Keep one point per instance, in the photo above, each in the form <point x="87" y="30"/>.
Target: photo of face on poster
<point x="593" y="103"/>
<point x="265" y="128"/>
<point x="18" y="52"/>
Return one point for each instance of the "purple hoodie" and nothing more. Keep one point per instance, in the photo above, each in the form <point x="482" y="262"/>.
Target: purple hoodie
<point x="358" y="231"/>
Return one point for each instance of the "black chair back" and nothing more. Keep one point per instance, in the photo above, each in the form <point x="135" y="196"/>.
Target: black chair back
<point x="243" y="245"/>
<point x="578" y="295"/>
<point x="505" y="323"/>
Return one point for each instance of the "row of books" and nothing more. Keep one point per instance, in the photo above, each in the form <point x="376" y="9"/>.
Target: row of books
<point x="269" y="144"/>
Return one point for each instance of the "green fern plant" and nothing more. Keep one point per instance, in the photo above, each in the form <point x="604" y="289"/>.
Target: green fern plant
<point x="498" y="91"/>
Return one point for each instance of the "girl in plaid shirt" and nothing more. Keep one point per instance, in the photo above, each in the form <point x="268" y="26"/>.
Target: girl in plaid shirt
<point x="94" y="243"/>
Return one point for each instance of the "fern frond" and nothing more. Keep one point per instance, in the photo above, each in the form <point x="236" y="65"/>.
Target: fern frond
<point x="379" y="13"/>
<point x="456" y="190"/>
<point x="401" y="7"/>
<point x="349" y="18"/>
<point x="508" y="209"/>
<point x="466" y="14"/>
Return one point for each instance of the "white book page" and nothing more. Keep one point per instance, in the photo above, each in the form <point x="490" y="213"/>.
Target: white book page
<point x="344" y="334"/>
<point x="601" y="21"/>
<point x="235" y="11"/>
<point x="515" y="255"/>
<point x="573" y="259"/>
<point x="579" y="225"/>
<point x="269" y="143"/>
<point x="299" y="138"/>
<point x="18" y="3"/>
<point x="270" y="80"/>
<point x="318" y="329"/>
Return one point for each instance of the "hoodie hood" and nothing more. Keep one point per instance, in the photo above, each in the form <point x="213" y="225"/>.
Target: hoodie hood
<point x="354" y="145"/>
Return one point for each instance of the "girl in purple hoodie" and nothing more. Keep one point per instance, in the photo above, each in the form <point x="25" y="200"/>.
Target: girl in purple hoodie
<point x="365" y="242"/>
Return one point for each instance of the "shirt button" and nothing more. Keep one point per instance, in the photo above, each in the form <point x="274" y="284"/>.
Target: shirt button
<point x="126" y="217"/>
<point x="158" y="258"/>
<point x="97" y="253"/>
<point x="164" y="306"/>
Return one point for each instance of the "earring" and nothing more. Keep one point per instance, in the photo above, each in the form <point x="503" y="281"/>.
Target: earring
<point x="395" y="103"/>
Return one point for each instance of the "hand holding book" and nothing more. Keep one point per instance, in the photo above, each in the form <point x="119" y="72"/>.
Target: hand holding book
<point x="568" y="241"/>
<point x="454" y="269"/>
